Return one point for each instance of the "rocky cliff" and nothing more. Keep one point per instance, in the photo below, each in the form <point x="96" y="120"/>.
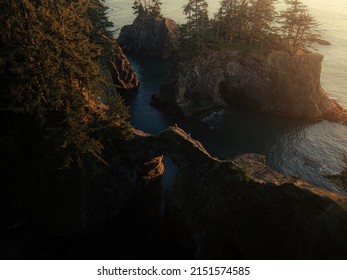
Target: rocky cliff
<point x="148" y="35"/>
<point x="237" y="208"/>
<point x="83" y="200"/>
<point x="280" y="83"/>
<point x="240" y="208"/>
<point x="122" y="74"/>
<point x="225" y="209"/>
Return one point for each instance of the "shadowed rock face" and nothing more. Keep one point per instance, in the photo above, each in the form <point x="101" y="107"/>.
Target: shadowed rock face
<point x="281" y="84"/>
<point x="237" y="208"/>
<point x="296" y="88"/>
<point x="240" y="208"/>
<point x="149" y="35"/>
<point x="182" y="148"/>
<point x="122" y="74"/>
<point x="193" y="86"/>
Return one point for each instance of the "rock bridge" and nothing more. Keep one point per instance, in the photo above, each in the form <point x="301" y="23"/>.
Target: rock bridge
<point x="240" y="208"/>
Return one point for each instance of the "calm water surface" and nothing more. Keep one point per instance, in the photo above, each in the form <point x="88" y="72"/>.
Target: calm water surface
<point x="293" y="147"/>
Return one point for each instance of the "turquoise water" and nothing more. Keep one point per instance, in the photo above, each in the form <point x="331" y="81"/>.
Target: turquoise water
<point x="296" y="148"/>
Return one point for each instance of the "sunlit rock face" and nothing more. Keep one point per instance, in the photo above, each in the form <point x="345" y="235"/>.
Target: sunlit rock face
<point x="123" y="76"/>
<point x="240" y="208"/>
<point x="153" y="169"/>
<point x="148" y="35"/>
<point x="295" y="87"/>
<point x="279" y="83"/>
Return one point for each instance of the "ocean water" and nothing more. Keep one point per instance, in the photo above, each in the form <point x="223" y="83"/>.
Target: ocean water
<point x="331" y="15"/>
<point x="293" y="147"/>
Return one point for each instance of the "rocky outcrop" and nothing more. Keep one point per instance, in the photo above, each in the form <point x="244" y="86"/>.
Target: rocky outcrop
<point x="240" y="208"/>
<point x="148" y="35"/>
<point x="295" y="88"/>
<point x="84" y="201"/>
<point x="192" y="86"/>
<point x="153" y="169"/>
<point x="132" y="163"/>
<point x="122" y="74"/>
<point x="182" y="148"/>
<point x="321" y="41"/>
<point x="280" y="83"/>
<point x="236" y="208"/>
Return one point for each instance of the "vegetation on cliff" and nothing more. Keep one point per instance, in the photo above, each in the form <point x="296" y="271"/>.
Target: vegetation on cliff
<point x="147" y="7"/>
<point x="57" y="137"/>
<point x="241" y="57"/>
<point x="248" y="25"/>
<point x="52" y="55"/>
<point x="150" y="34"/>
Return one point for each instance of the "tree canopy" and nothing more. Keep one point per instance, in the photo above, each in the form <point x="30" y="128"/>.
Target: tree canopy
<point x="51" y="67"/>
<point x="298" y="27"/>
<point x="147" y="7"/>
<point x="253" y="24"/>
<point x="195" y="30"/>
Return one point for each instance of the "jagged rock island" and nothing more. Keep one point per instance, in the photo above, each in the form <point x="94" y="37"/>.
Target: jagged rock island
<point x="279" y="83"/>
<point x="241" y="61"/>
<point x="149" y="35"/>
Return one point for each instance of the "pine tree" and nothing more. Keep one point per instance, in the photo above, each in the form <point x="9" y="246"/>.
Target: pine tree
<point x="223" y="19"/>
<point x="147" y="8"/>
<point x="298" y="26"/>
<point x="140" y="7"/>
<point x="51" y="68"/>
<point x="262" y="17"/>
<point x="155" y="8"/>
<point x="197" y="21"/>
<point x="232" y="20"/>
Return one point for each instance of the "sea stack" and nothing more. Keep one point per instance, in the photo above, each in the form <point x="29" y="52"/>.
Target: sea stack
<point x="280" y="83"/>
<point x="149" y="35"/>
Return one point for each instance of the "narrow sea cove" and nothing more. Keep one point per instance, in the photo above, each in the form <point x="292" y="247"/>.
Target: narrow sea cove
<point x="297" y="148"/>
<point x="80" y="183"/>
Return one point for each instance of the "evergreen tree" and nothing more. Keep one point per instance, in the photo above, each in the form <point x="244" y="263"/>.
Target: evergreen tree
<point x="298" y="26"/>
<point x="232" y="20"/>
<point x="223" y="19"/>
<point x="155" y="8"/>
<point x="145" y="7"/>
<point x="140" y="7"/>
<point x="262" y="17"/>
<point x="51" y="68"/>
<point x="197" y="21"/>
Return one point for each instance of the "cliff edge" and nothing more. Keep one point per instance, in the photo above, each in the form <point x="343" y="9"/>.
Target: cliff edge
<point x="123" y="76"/>
<point x="149" y="35"/>
<point x="240" y="208"/>
<point x="279" y="83"/>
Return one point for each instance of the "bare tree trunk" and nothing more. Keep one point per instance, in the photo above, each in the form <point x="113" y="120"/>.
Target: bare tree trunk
<point x="296" y="36"/>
